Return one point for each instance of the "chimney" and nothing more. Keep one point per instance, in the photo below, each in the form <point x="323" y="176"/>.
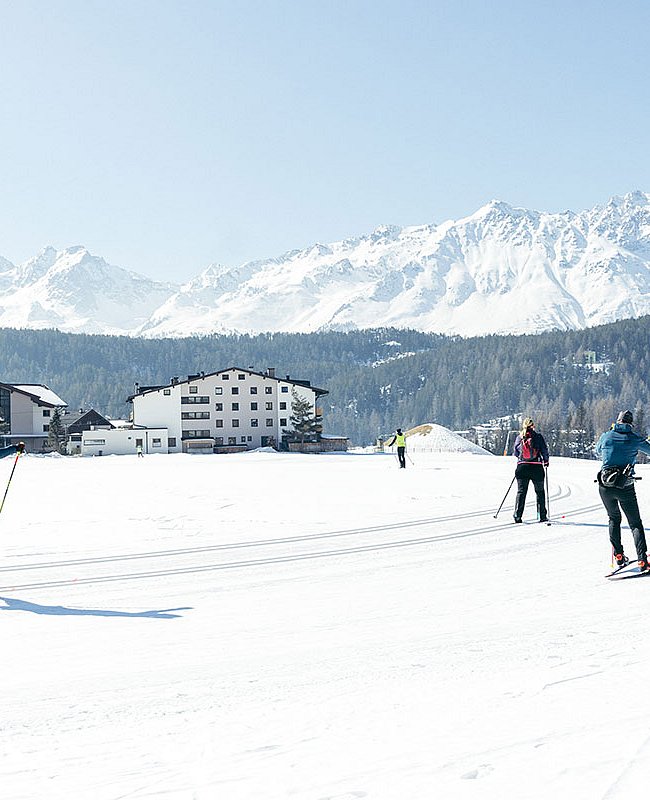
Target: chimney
<point x="136" y="387"/>
<point x="271" y="372"/>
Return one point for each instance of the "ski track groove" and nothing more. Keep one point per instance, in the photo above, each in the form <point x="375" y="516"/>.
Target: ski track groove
<point x="254" y="543"/>
<point x="279" y="559"/>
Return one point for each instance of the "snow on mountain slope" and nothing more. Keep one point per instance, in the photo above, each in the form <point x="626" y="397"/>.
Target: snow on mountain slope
<point x="499" y="270"/>
<point x="76" y="292"/>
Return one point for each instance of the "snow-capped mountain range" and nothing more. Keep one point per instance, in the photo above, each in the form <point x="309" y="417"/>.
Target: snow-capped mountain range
<point x="500" y="270"/>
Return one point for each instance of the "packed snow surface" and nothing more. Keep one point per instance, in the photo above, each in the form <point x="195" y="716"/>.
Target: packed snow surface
<point x="290" y="626"/>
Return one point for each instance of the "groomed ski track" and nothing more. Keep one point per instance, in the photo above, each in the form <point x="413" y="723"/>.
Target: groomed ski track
<point x="356" y="534"/>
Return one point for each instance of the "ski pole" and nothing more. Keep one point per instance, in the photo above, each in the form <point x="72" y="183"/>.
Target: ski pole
<point x="504" y="496"/>
<point x="548" y="498"/>
<point x="409" y="458"/>
<point x="9" y="481"/>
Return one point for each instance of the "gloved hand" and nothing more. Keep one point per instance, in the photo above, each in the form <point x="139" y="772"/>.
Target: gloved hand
<point x="20" y="447"/>
<point x="546" y="463"/>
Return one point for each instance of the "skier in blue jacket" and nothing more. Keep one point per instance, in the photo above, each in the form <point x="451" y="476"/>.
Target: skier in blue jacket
<point x="12" y="449"/>
<point x="618" y="449"/>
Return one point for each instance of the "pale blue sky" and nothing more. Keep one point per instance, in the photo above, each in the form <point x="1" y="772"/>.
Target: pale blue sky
<point x="166" y="135"/>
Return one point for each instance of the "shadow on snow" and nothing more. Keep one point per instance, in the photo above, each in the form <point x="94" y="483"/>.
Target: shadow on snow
<point x="62" y="611"/>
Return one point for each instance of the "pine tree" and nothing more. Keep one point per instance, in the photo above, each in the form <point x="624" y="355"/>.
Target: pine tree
<point x="56" y="433"/>
<point x="305" y="423"/>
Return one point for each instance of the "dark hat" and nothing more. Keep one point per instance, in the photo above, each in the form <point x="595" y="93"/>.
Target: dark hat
<point x="626" y="417"/>
<point x="399" y="430"/>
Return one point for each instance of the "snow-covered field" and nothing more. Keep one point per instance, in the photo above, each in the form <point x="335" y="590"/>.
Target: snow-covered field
<point x="316" y="628"/>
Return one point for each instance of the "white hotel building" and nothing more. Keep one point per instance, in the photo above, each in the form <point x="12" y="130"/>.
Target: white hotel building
<point x="233" y="408"/>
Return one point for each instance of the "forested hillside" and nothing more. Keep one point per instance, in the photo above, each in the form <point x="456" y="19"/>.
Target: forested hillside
<point x="377" y="379"/>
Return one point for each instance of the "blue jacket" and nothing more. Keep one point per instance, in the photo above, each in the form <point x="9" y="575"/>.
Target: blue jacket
<point x="8" y="451"/>
<point x="620" y="445"/>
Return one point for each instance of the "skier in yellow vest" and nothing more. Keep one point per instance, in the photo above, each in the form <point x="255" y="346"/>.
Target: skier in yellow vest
<point x="400" y="439"/>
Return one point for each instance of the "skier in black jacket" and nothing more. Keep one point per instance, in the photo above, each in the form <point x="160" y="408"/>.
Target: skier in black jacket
<point x="532" y="456"/>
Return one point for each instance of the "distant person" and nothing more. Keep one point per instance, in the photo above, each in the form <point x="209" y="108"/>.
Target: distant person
<point x="12" y="449"/>
<point x="618" y="449"/>
<point x="138" y="450"/>
<point x="532" y="456"/>
<point x="400" y="439"/>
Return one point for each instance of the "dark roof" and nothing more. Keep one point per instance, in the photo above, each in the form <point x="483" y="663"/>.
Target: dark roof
<point x="198" y="376"/>
<point x="79" y="418"/>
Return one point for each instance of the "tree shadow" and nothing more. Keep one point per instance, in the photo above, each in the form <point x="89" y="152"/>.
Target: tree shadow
<point x="62" y="611"/>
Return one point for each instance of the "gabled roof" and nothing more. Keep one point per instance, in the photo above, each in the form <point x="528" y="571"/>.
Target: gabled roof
<point x="80" y="417"/>
<point x="38" y="393"/>
<point x="200" y="375"/>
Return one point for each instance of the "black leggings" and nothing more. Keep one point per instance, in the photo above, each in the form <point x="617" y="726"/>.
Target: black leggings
<point x="615" y="499"/>
<point x="524" y="474"/>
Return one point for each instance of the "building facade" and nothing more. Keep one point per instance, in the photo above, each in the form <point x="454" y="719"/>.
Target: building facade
<point x="233" y="409"/>
<point x="25" y="413"/>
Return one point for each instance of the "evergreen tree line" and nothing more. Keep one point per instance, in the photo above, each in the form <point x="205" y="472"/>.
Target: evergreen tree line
<point x="377" y="380"/>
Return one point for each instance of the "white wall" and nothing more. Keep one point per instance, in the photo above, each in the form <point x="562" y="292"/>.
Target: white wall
<point x="123" y="441"/>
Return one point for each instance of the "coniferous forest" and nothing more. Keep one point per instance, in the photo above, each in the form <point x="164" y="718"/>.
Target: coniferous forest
<point x="572" y="383"/>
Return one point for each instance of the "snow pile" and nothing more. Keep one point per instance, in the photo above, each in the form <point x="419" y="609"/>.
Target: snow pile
<point x="432" y="438"/>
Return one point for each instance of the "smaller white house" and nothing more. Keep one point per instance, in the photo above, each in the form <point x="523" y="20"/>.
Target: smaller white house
<point x="25" y="413"/>
<point x="123" y="441"/>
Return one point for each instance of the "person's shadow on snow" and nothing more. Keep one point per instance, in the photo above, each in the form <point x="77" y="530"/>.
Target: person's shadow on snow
<point x="62" y="611"/>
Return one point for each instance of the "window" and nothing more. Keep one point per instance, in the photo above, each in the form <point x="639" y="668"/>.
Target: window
<point x="171" y="442"/>
<point x="283" y="422"/>
<point x="218" y="406"/>
<point x="254" y="423"/>
<point x="194" y="389"/>
<point x="253" y="389"/>
<point x="241" y="377"/>
<point x="268" y="390"/>
<point x="167" y="392"/>
<point x="234" y="406"/>
<point x="218" y="423"/>
<point x="269" y="422"/>
<point x="232" y="440"/>
<point x="269" y="406"/>
<point x="283" y="406"/>
<point x="199" y="398"/>
<point x="253" y="406"/>
<point x="284" y="389"/>
<point x="46" y="428"/>
<point x="250" y="438"/>
<point x="195" y="415"/>
<point x="46" y="412"/>
<point x="225" y="377"/>
<point x="234" y="423"/>
<point x="95" y="442"/>
<point x="243" y="438"/>
<point x="218" y="390"/>
<point x="196" y="434"/>
<point x="156" y="442"/>
<point x="218" y="440"/>
<point x="235" y="390"/>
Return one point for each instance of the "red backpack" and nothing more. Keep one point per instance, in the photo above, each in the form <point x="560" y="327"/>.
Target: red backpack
<point x="528" y="451"/>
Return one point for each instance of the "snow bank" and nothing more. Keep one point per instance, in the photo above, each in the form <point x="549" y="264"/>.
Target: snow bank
<point x="432" y="438"/>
